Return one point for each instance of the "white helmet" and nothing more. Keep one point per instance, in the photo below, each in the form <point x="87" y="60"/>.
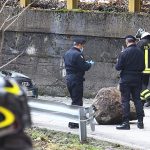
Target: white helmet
<point x="139" y="32"/>
<point x="145" y="34"/>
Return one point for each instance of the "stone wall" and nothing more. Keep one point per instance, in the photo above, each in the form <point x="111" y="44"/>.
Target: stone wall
<point x="46" y="35"/>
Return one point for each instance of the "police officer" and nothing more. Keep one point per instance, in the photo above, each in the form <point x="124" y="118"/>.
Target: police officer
<point x="131" y="65"/>
<point x="14" y="117"/>
<point x="144" y="45"/>
<point x="76" y="66"/>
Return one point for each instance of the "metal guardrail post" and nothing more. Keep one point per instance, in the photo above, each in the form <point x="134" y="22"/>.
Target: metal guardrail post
<point x="91" y="112"/>
<point x="77" y="114"/>
<point x="90" y="115"/>
<point x="82" y="125"/>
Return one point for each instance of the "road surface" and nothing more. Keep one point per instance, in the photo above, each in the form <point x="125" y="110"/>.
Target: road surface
<point x="136" y="138"/>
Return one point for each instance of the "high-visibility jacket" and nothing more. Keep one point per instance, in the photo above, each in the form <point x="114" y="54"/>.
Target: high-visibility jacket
<point x="144" y="45"/>
<point x="147" y="59"/>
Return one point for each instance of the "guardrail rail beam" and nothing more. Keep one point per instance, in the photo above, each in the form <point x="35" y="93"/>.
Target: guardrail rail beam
<point x="77" y="114"/>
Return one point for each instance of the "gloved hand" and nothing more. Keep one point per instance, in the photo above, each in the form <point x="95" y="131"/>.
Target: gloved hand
<point x="90" y="62"/>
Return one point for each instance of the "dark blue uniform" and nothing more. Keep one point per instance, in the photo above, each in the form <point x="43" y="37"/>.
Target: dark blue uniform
<point x="76" y="66"/>
<point x="131" y="64"/>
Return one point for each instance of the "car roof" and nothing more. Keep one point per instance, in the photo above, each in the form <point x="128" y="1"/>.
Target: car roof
<point x="12" y="74"/>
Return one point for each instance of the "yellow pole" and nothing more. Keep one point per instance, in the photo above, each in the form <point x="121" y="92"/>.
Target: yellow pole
<point x="24" y="3"/>
<point x="134" y="5"/>
<point x="72" y="4"/>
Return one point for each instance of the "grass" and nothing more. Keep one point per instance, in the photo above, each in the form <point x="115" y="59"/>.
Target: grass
<point x="44" y="139"/>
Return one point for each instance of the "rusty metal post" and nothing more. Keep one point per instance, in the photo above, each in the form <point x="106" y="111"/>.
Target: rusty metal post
<point x="134" y="5"/>
<point x="24" y="3"/>
<point x="72" y="4"/>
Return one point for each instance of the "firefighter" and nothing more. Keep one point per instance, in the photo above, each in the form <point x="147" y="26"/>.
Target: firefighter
<point x="76" y="66"/>
<point x="14" y="117"/>
<point x="131" y="65"/>
<point x="144" y="44"/>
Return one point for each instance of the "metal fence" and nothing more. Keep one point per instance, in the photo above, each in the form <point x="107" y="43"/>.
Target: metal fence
<point x="77" y="114"/>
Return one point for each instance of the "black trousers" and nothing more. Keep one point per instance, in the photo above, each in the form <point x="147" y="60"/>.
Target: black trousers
<point x="133" y="90"/>
<point x="145" y="83"/>
<point x="75" y="89"/>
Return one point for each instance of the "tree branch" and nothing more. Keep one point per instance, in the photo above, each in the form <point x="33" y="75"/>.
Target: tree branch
<point x="18" y="16"/>
<point x="3" y="31"/>
<point x="9" y="19"/>
<point x="12" y="60"/>
<point x="6" y="20"/>
<point x="3" y="6"/>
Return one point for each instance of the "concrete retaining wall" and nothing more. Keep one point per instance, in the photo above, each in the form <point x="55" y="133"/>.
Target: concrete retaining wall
<point x="46" y="35"/>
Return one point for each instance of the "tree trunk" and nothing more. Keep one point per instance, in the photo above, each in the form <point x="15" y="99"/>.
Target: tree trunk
<point x="1" y="45"/>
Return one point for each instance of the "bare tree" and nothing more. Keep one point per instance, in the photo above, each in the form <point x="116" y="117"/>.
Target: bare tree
<point x="5" y="25"/>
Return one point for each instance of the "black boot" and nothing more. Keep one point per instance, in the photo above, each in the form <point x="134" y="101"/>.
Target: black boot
<point x="73" y="125"/>
<point x="140" y="124"/>
<point x="124" y="126"/>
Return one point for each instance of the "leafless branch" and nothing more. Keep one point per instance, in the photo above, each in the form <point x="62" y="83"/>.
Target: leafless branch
<point x="3" y="30"/>
<point x="9" y="19"/>
<point x="3" y="6"/>
<point x="18" y="16"/>
<point x="6" y="20"/>
<point x="2" y="34"/>
<point x="12" y="60"/>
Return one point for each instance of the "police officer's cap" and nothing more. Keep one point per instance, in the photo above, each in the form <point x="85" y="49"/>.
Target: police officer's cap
<point x="130" y="37"/>
<point x="79" y="41"/>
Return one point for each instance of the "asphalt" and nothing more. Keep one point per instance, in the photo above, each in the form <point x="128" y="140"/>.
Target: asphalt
<point x="135" y="138"/>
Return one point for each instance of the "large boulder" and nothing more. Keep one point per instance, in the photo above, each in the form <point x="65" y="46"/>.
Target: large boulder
<point x="108" y="106"/>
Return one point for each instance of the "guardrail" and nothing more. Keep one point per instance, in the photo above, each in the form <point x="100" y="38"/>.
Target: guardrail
<point x="77" y="114"/>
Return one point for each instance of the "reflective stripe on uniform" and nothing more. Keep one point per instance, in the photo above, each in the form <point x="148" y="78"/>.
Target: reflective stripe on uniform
<point x="9" y="117"/>
<point x="142" y="98"/>
<point x="147" y="96"/>
<point x="146" y="71"/>
<point x="144" y="92"/>
<point x="146" y="58"/>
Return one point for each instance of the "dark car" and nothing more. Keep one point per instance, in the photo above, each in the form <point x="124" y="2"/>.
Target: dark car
<point x="23" y="80"/>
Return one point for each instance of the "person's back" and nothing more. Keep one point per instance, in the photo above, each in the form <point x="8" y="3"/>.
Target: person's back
<point x="143" y="42"/>
<point x="134" y="61"/>
<point x="131" y="64"/>
<point x="144" y="45"/>
<point x="75" y="63"/>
